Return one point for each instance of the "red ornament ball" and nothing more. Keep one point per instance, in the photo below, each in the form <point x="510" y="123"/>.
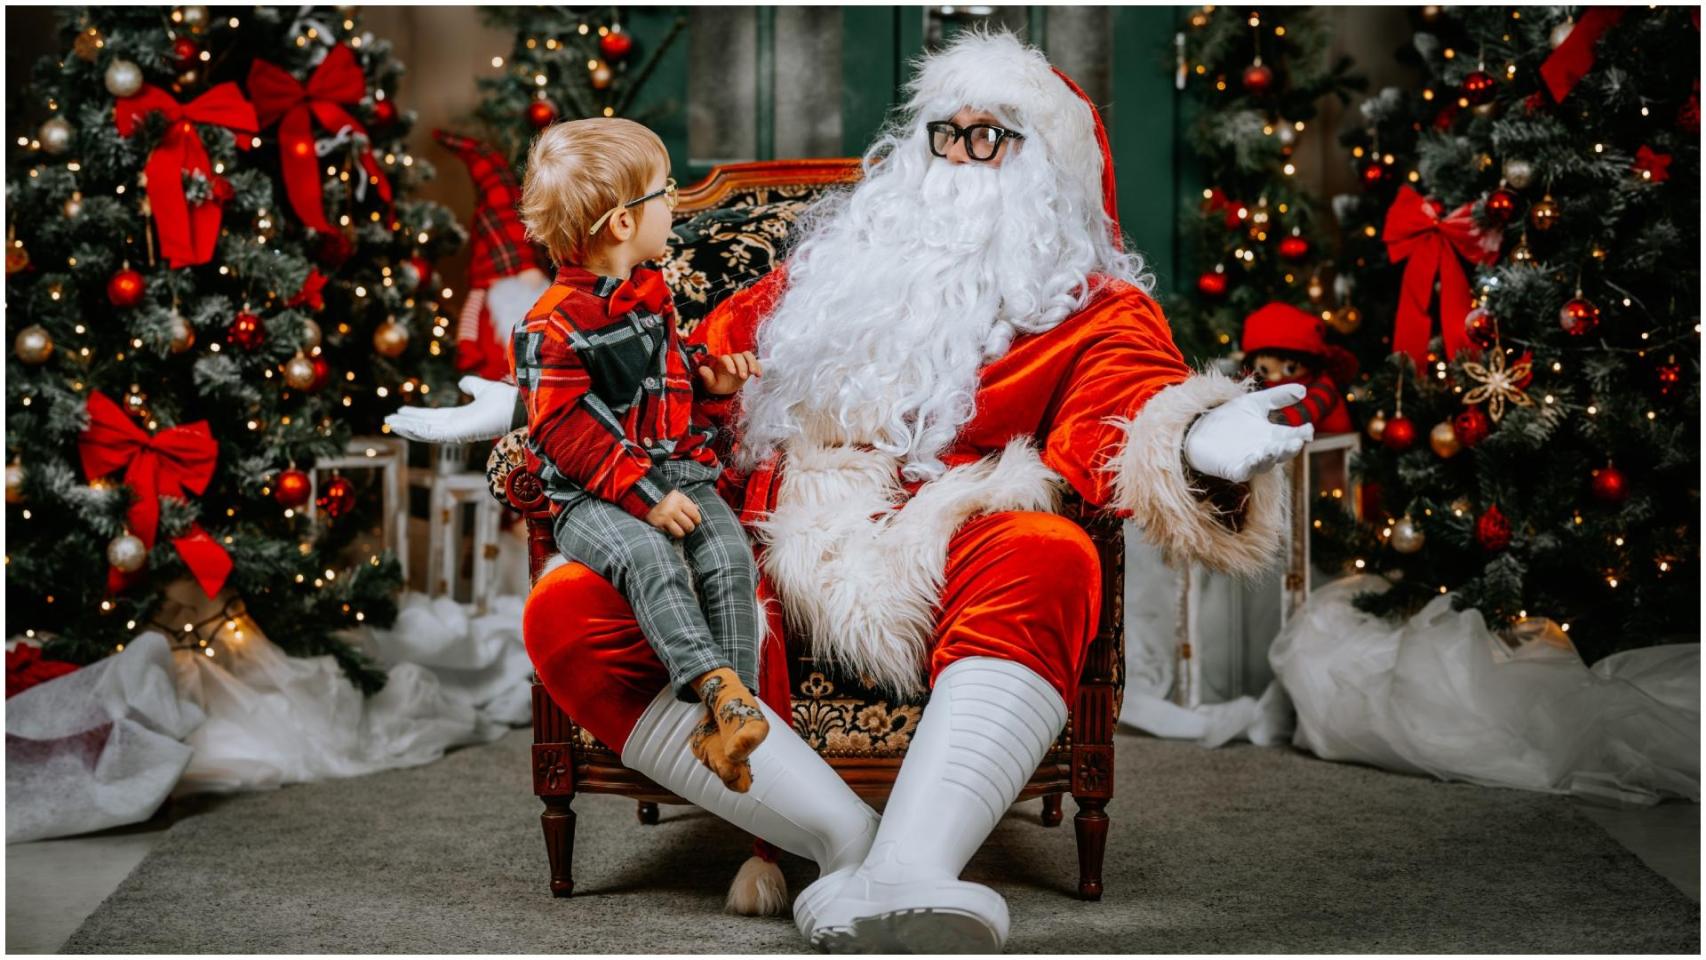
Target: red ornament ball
<point x="1481" y="327"/>
<point x="184" y="52"/>
<point x="1578" y="317"/>
<point x="1478" y="87"/>
<point x="125" y="289"/>
<point x="322" y="373"/>
<point x="1400" y="434"/>
<point x="1492" y="530"/>
<point x="1212" y="284"/>
<point x="290" y="489"/>
<point x="615" y="45"/>
<point x="1609" y="485"/>
<point x="247" y="331"/>
<point x="336" y="497"/>
<point x="384" y="113"/>
<point x="1373" y="172"/>
<point x="423" y="273"/>
<point x="540" y="113"/>
<point x="334" y="250"/>
<point x="1258" y="79"/>
<point x="1472" y="426"/>
<point x="1501" y="206"/>
<point x="1294" y="248"/>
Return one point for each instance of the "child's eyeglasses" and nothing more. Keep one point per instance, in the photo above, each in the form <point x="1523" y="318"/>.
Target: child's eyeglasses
<point x="667" y="192"/>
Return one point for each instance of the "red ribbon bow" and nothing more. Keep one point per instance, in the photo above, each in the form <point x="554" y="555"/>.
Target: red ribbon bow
<point x="1574" y="57"/>
<point x="280" y="98"/>
<point x="187" y="235"/>
<point x="1416" y="232"/>
<point x="175" y="462"/>
<point x="643" y="287"/>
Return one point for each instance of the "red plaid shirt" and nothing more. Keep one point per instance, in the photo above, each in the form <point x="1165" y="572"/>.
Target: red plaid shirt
<point x="608" y="398"/>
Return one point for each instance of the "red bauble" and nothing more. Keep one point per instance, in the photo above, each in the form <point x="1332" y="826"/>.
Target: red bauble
<point x="1472" y="426"/>
<point x="540" y="113"/>
<point x="1501" y="206"/>
<point x="291" y="489"/>
<point x="1481" y="327"/>
<point x="1492" y="530"/>
<point x="1478" y="87"/>
<point x="334" y="250"/>
<point x="1258" y="79"/>
<point x="1373" y="172"/>
<point x="423" y="273"/>
<point x="1235" y="215"/>
<point x="322" y="373"/>
<point x="247" y="331"/>
<point x="1294" y="248"/>
<point x="1212" y="284"/>
<point x="125" y="289"/>
<point x="1609" y="486"/>
<point x="336" y="497"/>
<point x="1578" y="317"/>
<point x="1400" y="434"/>
<point x="384" y="113"/>
<point x="184" y="52"/>
<point x="615" y="45"/>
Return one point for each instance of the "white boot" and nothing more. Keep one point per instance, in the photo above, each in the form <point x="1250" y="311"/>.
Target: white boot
<point x="797" y="801"/>
<point x="985" y="729"/>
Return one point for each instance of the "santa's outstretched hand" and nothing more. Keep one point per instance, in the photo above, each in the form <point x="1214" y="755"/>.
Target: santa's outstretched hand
<point x="1235" y="441"/>
<point x="487" y="417"/>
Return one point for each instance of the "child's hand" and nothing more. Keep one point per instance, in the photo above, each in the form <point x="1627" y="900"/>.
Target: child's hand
<point x="730" y="372"/>
<point x="675" y="515"/>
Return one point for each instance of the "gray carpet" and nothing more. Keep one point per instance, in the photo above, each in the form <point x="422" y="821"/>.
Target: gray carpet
<point x="1240" y="850"/>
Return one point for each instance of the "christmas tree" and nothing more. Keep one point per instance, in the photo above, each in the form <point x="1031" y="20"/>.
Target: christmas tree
<point x="1528" y="244"/>
<point x="214" y="276"/>
<point x="1253" y="80"/>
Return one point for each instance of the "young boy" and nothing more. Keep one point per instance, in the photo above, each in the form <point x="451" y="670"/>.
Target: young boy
<point x="605" y="380"/>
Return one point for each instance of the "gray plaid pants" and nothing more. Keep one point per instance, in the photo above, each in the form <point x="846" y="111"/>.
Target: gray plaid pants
<point x="690" y="634"/>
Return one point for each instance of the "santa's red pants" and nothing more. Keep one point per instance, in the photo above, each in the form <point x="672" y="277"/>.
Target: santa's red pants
<point x="1024" y="587"/>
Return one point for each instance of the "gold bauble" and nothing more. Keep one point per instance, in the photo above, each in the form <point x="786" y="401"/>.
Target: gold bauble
<point x="1407" y="537"/>
<point x="14" y="483"/>
<point x="183" y="335"/>
<point x="602" y="77"/>
<point x="1444" y="440"/>
<point x="127" y="553"/>
<point x="391" y="339"/>
<point x="123" y="78"/>
<point x="33" y="345"/>
<point x="299" y="372"/>
<point x="1376" y="426"/>
<point x="73" y="206"/>
<point x="188" y="78"/>
<point x="1521" y="254"/>
<point x="193" y="17"/>
<point x="1345" y="320"/>
<point x="1519" y="173"/>
<point x="55" y="135"/>
<point x="136" y="402"/>
<point x="1544" y="214"/>
<point x="1462" y="506"/>
<point x="88" y="45"/>
<point x="1316" y="289"/>
<point x="310" y="335"/>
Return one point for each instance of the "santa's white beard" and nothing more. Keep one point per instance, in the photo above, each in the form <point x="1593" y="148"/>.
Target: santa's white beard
<point x="899" y="294"/>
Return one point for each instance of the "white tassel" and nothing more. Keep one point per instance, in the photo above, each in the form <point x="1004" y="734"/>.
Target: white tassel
<point x="759" y="889"/>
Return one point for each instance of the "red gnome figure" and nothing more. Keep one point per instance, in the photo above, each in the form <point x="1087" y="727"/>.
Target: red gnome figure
<point x="506" y="273"/>
<point x="1283" y="344"/>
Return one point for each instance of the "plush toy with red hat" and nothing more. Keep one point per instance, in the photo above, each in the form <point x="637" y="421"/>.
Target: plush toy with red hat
<point x="1283" y="344"/>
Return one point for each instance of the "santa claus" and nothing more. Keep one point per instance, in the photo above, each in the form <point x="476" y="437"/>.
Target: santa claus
<point x="953" y="346"/>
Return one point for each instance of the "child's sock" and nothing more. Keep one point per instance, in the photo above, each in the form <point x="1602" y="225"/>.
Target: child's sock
<point x="735" y="711"/>
<point x="706" y="742"/>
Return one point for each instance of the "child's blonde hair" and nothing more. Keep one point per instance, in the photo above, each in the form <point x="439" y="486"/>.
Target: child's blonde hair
<point x="580" y="170"/>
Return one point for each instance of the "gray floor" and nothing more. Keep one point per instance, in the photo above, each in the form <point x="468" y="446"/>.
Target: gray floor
<point x="53" y="886"/>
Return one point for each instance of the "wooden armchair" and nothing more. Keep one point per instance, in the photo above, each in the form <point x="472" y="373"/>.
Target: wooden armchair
<point x="729" y="228"/>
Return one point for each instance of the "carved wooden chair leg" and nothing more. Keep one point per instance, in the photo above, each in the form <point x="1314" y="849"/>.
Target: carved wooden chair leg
<point x="1091" y="824"/>
<point x="559" y="823"/>
<point x="648" y="813"/>
<point x="1051" y="810"/>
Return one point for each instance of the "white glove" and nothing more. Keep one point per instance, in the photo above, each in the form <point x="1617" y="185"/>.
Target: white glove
<point x="1235" y="440"/>
<point x="487" y="417"/>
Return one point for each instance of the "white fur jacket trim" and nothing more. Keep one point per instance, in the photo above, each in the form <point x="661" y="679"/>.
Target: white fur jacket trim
<point x="1151" y="482"/>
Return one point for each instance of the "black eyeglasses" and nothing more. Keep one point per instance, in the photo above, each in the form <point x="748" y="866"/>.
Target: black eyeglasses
<point x="667" y="192"/>
<point x="983" y="140"/>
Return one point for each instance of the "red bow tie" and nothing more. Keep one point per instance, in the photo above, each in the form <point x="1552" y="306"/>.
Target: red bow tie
<point x="644" y="287"/>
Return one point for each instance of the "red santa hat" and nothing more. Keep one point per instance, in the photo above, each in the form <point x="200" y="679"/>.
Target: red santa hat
<point x="994" y="71"/>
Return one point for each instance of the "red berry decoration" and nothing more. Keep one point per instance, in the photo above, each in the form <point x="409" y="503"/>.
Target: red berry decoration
<point x="1212" y="284"/>
<point x="540" y="113"/>
<point x="247" y="331"/>
<point x="291" y="489"/>
<point x="184" y="52"/>
<point x="1258" y="79"/>
<point x="1478" y="87"/>
<point x="336" y="497"/>
<point x="1501" y="206"/>
<point x="1472" y="426"/>
<point x="125" y="288"/>
<point x="1400" y="434"/>
<point x="615" y="45"/>
<point x="384" y="113"/>
<point x="1668" y="376"/>
<point x="1481" y="328"/>
<point x="1492" y="530"/>
<point x="1373" y="172"/>
<point x="1294" y="248"/>
<point x="1578" y="317"/>
<point x="1609" y="486"/>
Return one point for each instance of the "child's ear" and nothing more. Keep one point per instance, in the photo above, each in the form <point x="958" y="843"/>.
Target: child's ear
<point x="622" y="225"/>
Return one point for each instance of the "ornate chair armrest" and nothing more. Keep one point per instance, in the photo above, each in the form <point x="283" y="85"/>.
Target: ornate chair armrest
<point x="508" y="478"/>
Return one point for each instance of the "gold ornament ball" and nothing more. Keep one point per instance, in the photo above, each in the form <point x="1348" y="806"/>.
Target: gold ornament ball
<point x="88" y="45"/>
<point x="602" y="76"/>
<point x="73" y="206"/>
<point x="1462" y="506"/>
<point x="193" y="17"/>
<point x="188" y="78"/>
<point x="1485" y="110"/>
<point x="123" y="78"/>
<point x="126" y="553"/>
<point x="1345" y="320"/>
<point x="1444" y="440"/>
<point x="1316" y="289"/>
<point x="136" y="402"/>
<point x="14" y="483"/>
<point x="391" y="339"/>
<point x="1377" y="426"/>
<point x="55" y="135"/>
<point x="183" y="335"/>
<point x="1544" y="214"/>
<point x="1521" y="254"/>
<point x="33" y="345"/>
<point x="310" y="334"/>
<point x="299" y="372"/>
<point x="1407" y="537"/>
<point x="1519" y="173"/>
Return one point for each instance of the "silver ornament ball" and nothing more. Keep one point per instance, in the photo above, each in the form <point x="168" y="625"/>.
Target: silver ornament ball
<point x="126" y="553"/>
<point x="1407" y="537"/>
<point x="73" y="206"/>
<point x="193" y="17"/>
<point x="1519" y="173"/>
<point x="123" y="78"/>
<point x="1561" y="32"/>
<point x="55" y="136"/>
<point x="310" y="334"/>
<point x="299" y="372"/>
